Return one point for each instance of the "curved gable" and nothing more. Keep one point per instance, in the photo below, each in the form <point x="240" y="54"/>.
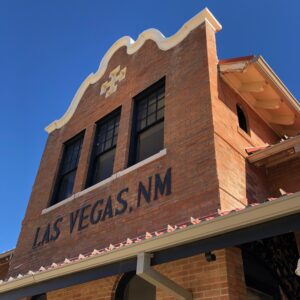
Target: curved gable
<point x="133" y="46"/>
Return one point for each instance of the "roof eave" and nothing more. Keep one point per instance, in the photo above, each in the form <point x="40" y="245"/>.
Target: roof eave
<point x="285" y="206"/>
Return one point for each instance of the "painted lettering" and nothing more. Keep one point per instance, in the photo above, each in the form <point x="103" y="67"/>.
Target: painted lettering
<point x="143" y="191"/>
<point x="108" y="211"/>
<point x="82" y="217"/>
<point x="162" y="187"/>
<point x="56" y="229"/>
<point x="73" y="219"/>
<point x="121" y="201"/>
<point x="95" y="218"/>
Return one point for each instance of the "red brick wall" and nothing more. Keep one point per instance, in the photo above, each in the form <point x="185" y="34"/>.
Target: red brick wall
<point x="285" y="176"/>
<point x="102" y="289"/>
<point x="218" y="280"/>
<point x="188" y="139"/>
<point x="240" y="183"/>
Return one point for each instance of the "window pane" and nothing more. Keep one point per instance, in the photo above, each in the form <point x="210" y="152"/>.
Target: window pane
<point x="151" y="119"/>
<point x="150" y="141"/>
<point x="104" y="149"/>
<point x="104" y="139"/>
<point x="152" y="100"/>
<point x="149" y="128"/>
<point x="67" y="170"/>
<point x="160" y="114"/>
<point x="148" y="107"/>
<point x="104" y="166"/>
<point x="71" y="156"/>
<point x="65" y="187"/>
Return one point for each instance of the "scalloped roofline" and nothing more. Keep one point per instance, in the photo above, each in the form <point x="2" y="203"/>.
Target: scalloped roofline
<point x="132" y="46"/>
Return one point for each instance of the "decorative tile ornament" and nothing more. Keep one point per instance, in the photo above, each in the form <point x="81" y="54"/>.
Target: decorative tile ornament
<point x="116" y="75"/>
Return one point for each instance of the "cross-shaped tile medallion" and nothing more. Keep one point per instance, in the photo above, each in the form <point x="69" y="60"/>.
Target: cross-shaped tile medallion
<point x="116" y="75"/>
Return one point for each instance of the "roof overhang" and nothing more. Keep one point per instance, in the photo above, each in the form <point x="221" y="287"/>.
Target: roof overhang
<point x="254" y="80"/>
<point x="215" y="233"/>
<point x="276" y="154"/>
<point x="8" y="253"/>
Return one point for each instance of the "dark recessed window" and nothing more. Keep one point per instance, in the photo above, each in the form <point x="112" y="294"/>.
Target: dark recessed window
<point x="148" y="125"/>
<point x="103" y="154"/>
<point x="39" y="297"/>
<point x="133" y="287"/>
<point x="242" y="119"/>
<point x="67" y="171"/>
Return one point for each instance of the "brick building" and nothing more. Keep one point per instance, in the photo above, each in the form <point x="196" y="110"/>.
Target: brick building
<point x="172" y="175"/>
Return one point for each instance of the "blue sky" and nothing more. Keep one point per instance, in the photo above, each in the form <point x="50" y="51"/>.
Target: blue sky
<point x="47" y="48"/>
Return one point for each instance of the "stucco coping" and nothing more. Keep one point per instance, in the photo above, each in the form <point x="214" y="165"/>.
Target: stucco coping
<point x="108" y="180"/>
<point x="132" y="46"/>
<point x="268" y="211"/>
<point x="274" y="149"/>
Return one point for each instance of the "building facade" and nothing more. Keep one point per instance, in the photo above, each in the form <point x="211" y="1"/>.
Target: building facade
<point x="172" y="175"/>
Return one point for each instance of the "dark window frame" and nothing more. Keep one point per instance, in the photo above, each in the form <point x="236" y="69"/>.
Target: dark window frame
<point x="135" y="132"/>
<point x="59" y="177"/>
<point x="94" y="155"/>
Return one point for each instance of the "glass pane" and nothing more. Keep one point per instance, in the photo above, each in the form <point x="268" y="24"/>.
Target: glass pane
<point x="71" y="156"/>
<point x="142" y="106"/>
<point x="105" y="134"/>
<point x="142" y="124"/>
<point x="110" y="124"/>
<point x="161" y="93"/>
<point x="150" y="141"/>
<point x="109" y="134"/>
<point x="151" y="100"/>
<point x="138" y="289"/>
<point x="151" y="119"/>
<point x="65" y="186"/>
<point x="160" y="103"/>
<point x="104" y="166"/>
<point x="152" y="108"/>
<point x="160" y="114"/>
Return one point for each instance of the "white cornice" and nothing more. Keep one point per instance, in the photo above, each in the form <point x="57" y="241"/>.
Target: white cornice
<point x="132" y="46"/>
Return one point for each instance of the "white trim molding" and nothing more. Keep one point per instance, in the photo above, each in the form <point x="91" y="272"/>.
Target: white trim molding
<point x="144" y="162"/>
<point x="132" y="46"/>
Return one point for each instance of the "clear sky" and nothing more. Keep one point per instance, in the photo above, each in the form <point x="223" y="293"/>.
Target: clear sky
<point x="47" y="48"/>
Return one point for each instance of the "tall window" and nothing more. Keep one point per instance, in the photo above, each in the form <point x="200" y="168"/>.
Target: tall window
<point x="148" y="127"/>
<point x="242" y="119"/>
<point x="67" y="171"/>
<point x="103" y="154"/>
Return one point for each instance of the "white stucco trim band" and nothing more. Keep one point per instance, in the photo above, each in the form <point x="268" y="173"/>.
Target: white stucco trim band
<point x="108" y="180"/>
